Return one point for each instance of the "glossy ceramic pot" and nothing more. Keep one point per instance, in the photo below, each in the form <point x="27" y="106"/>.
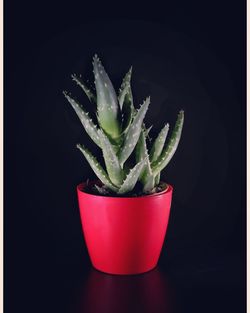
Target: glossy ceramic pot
<point x="124" y="235"/>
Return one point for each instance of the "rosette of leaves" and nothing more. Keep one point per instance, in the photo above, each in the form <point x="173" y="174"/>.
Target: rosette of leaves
<point x="120" y="132"/>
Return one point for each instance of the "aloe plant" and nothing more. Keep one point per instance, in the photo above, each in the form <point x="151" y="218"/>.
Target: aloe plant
<point x="120" y="132"/>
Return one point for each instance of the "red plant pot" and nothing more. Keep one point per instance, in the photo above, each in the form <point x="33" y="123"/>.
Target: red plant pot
<point x="124" y="235"/>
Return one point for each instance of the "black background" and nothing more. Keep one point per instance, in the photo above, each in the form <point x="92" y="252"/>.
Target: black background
<point x="187" y="56"/>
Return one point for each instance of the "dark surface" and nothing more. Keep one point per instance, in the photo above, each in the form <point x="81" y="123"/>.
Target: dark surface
<point x="208" y="281"/>
<point x="191" y="57"/>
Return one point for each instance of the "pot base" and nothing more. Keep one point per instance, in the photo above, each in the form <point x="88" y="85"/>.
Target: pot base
<point x="121" y="273"/>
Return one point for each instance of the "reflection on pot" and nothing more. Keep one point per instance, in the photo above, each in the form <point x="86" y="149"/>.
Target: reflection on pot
<point x="149" y="293"/>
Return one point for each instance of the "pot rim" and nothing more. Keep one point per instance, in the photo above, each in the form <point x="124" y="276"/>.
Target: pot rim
<point x="80" y="187"/>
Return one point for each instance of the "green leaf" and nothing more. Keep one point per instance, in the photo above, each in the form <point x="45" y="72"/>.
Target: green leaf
<point x="159" y="142"/>
<point x="147" y="131"/>
<point x="107" y="105"/>
<point x="125" y="99"/>
<point x="125" y="88"/>
<point x="133" y="133"/>
<point x="132" y="178"/>
<point x="102" y="190"/>
<point x="97" y="168"/>
<point x="157" y="179"/>
<point x="168" y="152"/>
<point x="146" y="177"/>
<point x="86" y="121"/>
<point x="87" y="91"/>
<point x="111" y="160"/>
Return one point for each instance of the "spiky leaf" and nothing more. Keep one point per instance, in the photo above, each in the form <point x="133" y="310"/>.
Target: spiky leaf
<point x="107" y="104"/>
<point x="86" y="121"/>
<point x="147" y="131"/>
<point x="168" y="152"/>
<point x="126" y="101"/>
<point x="133" y="133"/>
<point x="146" y="177"/>
<point x="132" y="178"/>
<point x="158" y="144"/>
<point x="87" y="91"/>
<point x="157" y="147"/>
<point x="102" y="190"/>
<point x="127" y="114"/>
<point x="125" y="88"/>
<point x="97" y="168"/>
<point x="157" y="179"/>
<point x="111" y="160"/>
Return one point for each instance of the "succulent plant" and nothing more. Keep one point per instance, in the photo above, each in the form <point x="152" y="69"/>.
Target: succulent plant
<point x="121" y="134"/>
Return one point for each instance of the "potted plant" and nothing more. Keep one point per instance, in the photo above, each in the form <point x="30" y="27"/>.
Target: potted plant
<point x="125" y="213"/>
